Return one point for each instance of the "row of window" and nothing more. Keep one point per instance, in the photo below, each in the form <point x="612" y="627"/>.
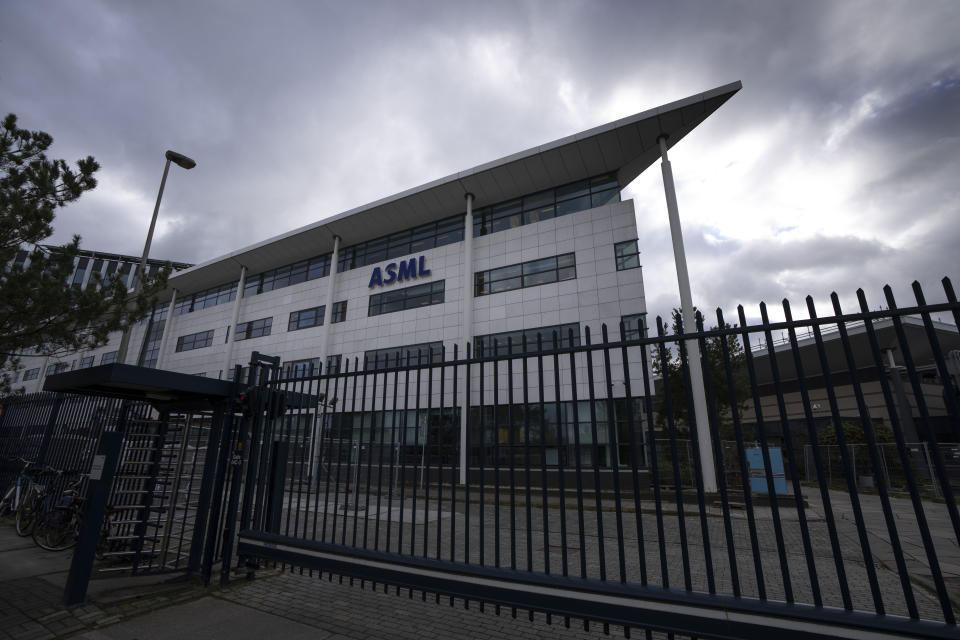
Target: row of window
<point x="287" y="275"/>
<point x="526" y="274"/>
<point x="563" y="200"/>
<point x="313" y="317"/>
<point x="262" y="327"/>
<point x="421" y="295"/>
<point x="59" y="367"/>
<point x="527" y="340"/>
<point x="310" y="367"/>
<point x="428" y="236"/>
<point x="195" y="341"/>
<point x="204" y="299"/>
<point x="552" y="203"/>
<point x="413" y="354"/>
<point x="253" y="329"/>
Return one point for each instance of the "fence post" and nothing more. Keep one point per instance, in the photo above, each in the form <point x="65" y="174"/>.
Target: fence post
<point x="102" y="471"/>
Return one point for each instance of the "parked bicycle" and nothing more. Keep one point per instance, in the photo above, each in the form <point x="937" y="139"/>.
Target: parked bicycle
<point x="58" y="528"/>
<point x="24" y="498"/>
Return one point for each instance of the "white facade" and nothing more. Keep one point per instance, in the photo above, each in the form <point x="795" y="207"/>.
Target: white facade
<point x="598" y="294"/>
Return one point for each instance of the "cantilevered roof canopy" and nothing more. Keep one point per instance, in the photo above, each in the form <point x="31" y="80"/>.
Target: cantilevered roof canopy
<point x="627" y="146"/>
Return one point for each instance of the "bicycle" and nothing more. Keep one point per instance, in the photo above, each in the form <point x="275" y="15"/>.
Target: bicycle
<point x="23" y="498"/>
<point x="59" y="528"/>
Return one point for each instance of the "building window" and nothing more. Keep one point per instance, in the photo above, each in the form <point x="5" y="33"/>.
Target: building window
<point x="634" y="326"/>
<point x="333" y="364"/>
<point x="195" y="341"/>
<point x="627" y="255"/>
<point x="150" y="352"/>
<point x="410" y="355"/>
<point x="428" y="236"/>
<point x="306" y="318"/>
<point x="85" y="363"/>
<point x="109" y="357"/>
<point x="80" y="272"/>
<point x="339" y="312"/>
<point x="311" y="269"/>
<point x="421" y="295"/>
<point x="569" y="198"/>
<point x="515" y="342"/>
<point x="527" y="274"/>
<point x="253" y="329"/>
<point x="56" y="367"/>
<point x="207" y="298"/>
<point x="301" y="368"/>
<point x="31" y="374"/>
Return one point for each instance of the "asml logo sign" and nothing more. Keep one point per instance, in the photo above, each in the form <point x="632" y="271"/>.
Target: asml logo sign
<point x="394" y="272"/>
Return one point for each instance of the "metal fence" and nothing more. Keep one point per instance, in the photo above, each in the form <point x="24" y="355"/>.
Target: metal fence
<point x="578" y="469"/>
<point x="567" y="477"/>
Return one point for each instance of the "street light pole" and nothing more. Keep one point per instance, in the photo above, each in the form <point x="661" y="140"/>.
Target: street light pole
<point x="705" y="443"/>
<point x="182" y="161"/>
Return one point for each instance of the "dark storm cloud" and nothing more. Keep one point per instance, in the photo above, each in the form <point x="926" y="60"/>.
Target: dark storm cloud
<point x="834" y="168"/>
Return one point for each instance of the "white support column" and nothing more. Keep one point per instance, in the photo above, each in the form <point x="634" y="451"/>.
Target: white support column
<point x="233" y="323"/>
<point x="467" y="289"/>
<point x="167" y="328"/>
<point x="325" y="350"/>
<point x="689" y="326"/>
<point x="328" y="305"/>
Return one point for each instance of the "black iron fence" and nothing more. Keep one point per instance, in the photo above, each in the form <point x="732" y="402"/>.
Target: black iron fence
<point x="581" y="465"/>
<point x="567" y="476"/>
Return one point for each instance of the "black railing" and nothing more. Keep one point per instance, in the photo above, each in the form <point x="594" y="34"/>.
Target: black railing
<point x="583" y="463"/>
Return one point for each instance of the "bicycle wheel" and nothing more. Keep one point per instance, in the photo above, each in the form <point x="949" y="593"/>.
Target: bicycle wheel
<point x="27" y="515"/>
<point x="56" y="530"/>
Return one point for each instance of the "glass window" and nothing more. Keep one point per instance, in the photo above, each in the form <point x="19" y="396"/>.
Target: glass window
<point x="428" y="236"/>
<point x="421" y="295"/>
<point x="301" y="368"/>
<point x="85" y="363"/>
<point x="410" y="355"/>
<point x="526" y="274"/>
<point x="634" y="326"/>
<point x="109" y="358"/>
<point x="56" y="367"/>
<point x="191" y="302"/>
<point x="333" y="364"/>
<point x="339" y="312"/>
<point x="253" y="329"/>
<point x="513" y="342"/>
<point x="31" y="374"/>
<point x="627" y="255"/>
<point x="305" y="318"/>
<point x="290" y="274"/>
<point x="80" y="271"/>
<point x="195" y="341"/>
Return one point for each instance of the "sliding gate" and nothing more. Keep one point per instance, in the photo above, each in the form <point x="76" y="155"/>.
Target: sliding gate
<point x="563" y="474"/>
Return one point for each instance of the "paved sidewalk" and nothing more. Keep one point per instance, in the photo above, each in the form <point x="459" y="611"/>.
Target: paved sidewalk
<point x="31" y="593"/>
<point x="276" y="604"/>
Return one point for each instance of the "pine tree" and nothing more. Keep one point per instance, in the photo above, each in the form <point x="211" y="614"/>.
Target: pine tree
<point x="40" y="310"/>
<point x="716" y="369"/>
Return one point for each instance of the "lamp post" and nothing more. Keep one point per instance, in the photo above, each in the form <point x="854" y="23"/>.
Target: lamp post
<point x="181" y="161"/>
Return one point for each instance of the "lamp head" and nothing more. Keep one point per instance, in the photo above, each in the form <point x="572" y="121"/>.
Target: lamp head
<point x="181" y="160"/>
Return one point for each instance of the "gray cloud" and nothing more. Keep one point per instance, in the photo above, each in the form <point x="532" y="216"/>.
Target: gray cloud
<point x="834" y="168"/>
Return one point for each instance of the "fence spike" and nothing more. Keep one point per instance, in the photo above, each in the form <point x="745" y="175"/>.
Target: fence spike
<point x="948" y="289"/>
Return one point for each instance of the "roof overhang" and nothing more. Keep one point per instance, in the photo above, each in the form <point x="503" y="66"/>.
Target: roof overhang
<point x="627" y="146"/>
<point x="162" y="389"/>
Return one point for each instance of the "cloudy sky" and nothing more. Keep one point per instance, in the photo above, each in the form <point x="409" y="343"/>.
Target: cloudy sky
<point x="836" y="167"/>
